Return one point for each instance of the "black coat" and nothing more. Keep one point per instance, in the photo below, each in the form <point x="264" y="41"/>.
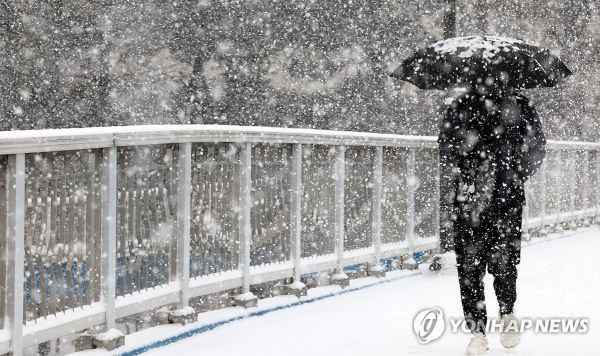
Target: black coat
<point x="493" y="145"/>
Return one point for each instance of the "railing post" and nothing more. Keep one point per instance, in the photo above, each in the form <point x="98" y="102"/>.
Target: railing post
<point x="411" y="182"/>
<point x="246" y="299"/>
<point x="543" y="231"/>
<point x="572" y="224"/>
<point x="558" y="196"/>
<point x="376" y="270"/>
<point x="438" y="197"/>
<point x="15" y="238"/>
<point x="525" y="235"/>
<point x="340" y="176"/>
<point x="109" y="233"/>
<point x="597" y="186"/>
<point x="436" y="265"/>
<point x="297" y="288"/>
<point x="184" y="182"/>
<point x="586" y="185"/>
<point x="91" y="253"/>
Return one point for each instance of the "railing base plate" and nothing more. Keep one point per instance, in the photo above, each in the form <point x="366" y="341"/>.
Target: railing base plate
<point x="108" y="340"/>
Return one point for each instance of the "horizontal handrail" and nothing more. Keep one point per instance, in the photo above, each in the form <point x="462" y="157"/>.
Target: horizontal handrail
<point x="31" y="141"/>
<point x="12" y="142"/>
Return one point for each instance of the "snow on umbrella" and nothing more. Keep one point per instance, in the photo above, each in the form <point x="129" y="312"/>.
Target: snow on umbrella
<point x="482" y="61"/>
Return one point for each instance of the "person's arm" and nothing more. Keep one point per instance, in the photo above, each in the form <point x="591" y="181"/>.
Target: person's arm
<point x="531" y="153"/>
<point x="447" y="137"/>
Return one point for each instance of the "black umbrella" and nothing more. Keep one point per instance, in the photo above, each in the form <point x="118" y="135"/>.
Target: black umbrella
<point x="482" y="61"/>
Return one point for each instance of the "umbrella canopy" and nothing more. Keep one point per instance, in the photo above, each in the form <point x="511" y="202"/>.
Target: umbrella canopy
<point x="478" y="61"/>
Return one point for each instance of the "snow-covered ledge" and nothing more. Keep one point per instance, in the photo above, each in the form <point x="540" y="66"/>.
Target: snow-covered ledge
<point x="29" y="141"/>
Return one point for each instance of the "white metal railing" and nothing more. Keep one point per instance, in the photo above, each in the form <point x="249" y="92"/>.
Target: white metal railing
<point x="104" y="223"/>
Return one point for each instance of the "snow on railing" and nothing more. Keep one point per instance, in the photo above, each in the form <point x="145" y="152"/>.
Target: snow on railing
<point x="103" y="223"/>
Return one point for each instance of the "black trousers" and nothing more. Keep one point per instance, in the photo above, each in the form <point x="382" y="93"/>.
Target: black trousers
<point x="494" y="244"/>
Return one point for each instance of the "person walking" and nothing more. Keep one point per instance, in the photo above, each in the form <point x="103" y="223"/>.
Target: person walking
<point x="492" y="142"/>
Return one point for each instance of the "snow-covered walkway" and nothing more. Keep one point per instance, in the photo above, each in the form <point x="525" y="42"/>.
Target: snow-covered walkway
<point x="558" y="278"/>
